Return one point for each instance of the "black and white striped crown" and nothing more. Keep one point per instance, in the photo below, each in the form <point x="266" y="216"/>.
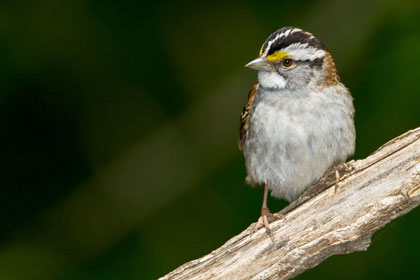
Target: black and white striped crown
<point x="303" y="45"/>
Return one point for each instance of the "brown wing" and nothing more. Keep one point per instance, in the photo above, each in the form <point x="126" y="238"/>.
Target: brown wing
<point x="246" y="111"/>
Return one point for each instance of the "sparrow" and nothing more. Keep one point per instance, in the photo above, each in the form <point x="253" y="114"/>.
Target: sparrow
<point x="298" y="119"/>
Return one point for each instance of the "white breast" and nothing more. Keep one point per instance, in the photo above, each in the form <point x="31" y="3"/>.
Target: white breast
<point x="293" y="138"/>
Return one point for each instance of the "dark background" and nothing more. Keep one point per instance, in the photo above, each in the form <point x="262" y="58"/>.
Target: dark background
<point x="119" y="125"/>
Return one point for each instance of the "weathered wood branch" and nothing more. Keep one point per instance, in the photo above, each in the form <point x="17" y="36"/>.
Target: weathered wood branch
<point x="325" y="221"/>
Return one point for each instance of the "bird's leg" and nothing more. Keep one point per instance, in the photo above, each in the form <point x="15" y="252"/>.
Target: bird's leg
<point x="337" y="178"/>
<point x="265" y="214"/>
<point x="336" y="170"/>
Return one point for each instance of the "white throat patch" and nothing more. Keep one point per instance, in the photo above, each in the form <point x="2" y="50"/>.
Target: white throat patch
<point x="271" y="80"/>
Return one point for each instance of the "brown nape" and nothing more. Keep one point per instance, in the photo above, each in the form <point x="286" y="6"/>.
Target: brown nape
<point x="331" y="78"/>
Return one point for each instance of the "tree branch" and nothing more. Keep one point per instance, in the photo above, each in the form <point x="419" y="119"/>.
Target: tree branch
<point x="324" y="221"/>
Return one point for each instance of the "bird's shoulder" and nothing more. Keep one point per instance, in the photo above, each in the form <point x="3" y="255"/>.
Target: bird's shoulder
<point x="245" y="115"/>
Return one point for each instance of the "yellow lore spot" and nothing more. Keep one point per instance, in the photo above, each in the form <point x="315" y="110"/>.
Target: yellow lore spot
<point x="276" y="56"/>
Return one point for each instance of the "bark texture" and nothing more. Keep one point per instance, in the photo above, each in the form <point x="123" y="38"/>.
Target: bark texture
<point x="328" y="219"/>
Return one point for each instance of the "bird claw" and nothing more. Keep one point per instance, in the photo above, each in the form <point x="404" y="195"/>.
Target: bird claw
<point x="263" y="220"/>
<point x="336" y="169"/>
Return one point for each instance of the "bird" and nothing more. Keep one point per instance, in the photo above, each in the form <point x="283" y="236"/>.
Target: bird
<point x="298" y="121"/>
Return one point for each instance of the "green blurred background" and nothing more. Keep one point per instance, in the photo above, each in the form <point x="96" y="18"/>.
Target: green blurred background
<point x="119" y="125"/>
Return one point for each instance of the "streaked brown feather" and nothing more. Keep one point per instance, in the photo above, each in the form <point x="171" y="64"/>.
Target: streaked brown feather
<point x="246" y="111"/>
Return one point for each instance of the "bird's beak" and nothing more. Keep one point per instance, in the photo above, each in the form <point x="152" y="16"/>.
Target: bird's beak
<point x="260" y="64"/>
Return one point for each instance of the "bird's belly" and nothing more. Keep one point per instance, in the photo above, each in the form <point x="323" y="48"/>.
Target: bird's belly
<point x="290" y="150"/>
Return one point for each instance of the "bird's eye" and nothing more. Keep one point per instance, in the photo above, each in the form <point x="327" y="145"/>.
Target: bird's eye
<point x="287" y="62"/>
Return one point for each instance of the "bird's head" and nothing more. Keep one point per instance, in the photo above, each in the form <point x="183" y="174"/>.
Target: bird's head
<point x="292" y="58"/>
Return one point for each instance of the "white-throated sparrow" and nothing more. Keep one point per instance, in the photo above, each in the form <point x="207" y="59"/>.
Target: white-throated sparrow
<point x="298" y="120"/>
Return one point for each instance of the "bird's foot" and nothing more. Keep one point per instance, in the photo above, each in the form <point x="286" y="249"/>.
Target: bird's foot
<point x="336" y="169"/>
<point x="265" y="219"/>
